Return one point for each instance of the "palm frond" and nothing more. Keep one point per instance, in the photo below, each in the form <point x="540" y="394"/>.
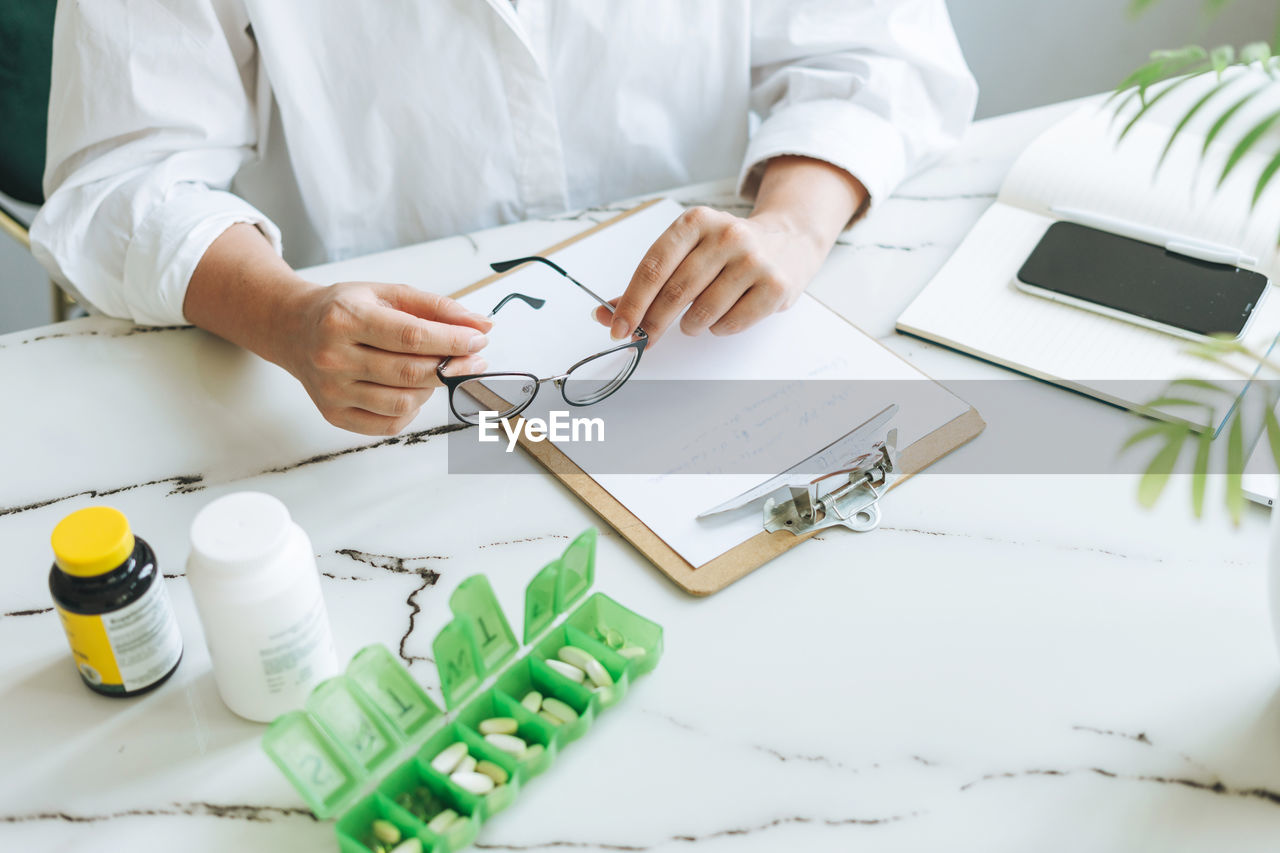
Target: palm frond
<point x="1200" y="472"/>
<point x="1235" y="468"/>
<point x="1246" y="142"/>
<point x="1156" y="477"/>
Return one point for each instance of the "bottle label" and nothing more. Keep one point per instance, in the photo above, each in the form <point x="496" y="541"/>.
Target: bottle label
<point x="301" y="654"/>
<point x="127" y="649"/>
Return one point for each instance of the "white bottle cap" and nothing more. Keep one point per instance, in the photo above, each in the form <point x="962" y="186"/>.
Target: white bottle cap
<point x="240" y="532"/>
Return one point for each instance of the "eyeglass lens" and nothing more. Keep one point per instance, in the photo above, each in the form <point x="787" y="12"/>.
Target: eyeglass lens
<point x="597" y="378"/>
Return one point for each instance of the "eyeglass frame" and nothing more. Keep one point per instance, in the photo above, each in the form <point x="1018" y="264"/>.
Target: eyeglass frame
<point x="640" y="339"/>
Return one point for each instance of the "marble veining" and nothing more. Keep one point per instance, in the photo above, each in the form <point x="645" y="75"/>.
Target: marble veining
<point x="1010" y="663"/>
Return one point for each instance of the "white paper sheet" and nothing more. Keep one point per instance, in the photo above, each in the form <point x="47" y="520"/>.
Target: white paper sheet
<point x="806" y="342"/>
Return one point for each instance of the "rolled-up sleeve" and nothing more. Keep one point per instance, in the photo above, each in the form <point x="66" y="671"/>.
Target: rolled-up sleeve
<point x="878" y="88"/>
<point x="151" y="116"/>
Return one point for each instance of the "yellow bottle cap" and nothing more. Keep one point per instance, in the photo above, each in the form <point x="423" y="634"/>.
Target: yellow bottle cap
<point x="92" y="541"/>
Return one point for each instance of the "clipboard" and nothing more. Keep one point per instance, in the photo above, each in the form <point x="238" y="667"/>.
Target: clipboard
<point x="742" y="559"/>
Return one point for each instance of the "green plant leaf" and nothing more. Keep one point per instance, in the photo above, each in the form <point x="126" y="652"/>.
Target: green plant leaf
<point x="1200" y="473"/>
<point x="1193" y="74"/>
<point x="1203" y="384"/>
<point x="1221" y="57"/>
<point x="1273" y="435"/>
<point x="1162" y="65"/>
<point x="1235" y="469"/>
<point x="1246" y="142"/>
<point x="1264" y="179"/>
<point x="1156" y="477"/>
<point x="1218" y="125"/>
<point x="1143" y="434"/>
<point x="1190" y="114"/>
<point x="1162" y="402"/>
<point x="1258" y="51"/>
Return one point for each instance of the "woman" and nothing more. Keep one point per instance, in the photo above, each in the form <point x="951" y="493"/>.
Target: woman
<point x="195" y="147"/>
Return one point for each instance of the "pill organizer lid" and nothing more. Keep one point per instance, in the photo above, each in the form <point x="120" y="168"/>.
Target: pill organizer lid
<point x="353" y="730"/>
<point x="560" y="585"/>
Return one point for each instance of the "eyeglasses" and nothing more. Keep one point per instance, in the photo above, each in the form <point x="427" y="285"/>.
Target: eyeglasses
<point x="508" y="394"/>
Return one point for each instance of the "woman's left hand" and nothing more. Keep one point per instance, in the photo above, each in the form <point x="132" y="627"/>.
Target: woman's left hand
<point x="726" y="273"/>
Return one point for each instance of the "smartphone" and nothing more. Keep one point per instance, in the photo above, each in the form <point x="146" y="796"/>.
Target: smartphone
<point x="1141" y="282"/>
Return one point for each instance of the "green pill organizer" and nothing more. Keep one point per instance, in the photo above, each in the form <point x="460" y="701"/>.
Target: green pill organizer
<point x="365" y="741"/>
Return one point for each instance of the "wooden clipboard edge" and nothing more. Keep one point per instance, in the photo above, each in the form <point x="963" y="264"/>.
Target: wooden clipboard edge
<point x="563" y="244"/>
<point x="742" y="559"/>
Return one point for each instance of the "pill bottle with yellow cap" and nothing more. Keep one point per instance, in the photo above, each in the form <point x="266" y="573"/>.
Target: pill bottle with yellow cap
<point x="110" y="595"/>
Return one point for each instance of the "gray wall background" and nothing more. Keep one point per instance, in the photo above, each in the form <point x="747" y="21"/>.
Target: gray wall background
<point x="1023" y="52"/>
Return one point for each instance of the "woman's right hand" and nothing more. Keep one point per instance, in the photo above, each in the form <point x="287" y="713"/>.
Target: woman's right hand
<point x="367" y="352"/>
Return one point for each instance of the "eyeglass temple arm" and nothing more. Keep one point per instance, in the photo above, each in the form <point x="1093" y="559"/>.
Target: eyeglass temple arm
<point x="532" y="301"/>
<point x="503" y="266"/>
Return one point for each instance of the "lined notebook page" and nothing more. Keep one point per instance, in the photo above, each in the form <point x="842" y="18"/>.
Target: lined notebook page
<point x="972" y="304"/>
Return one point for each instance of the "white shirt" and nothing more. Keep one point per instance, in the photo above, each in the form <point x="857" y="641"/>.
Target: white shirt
<point x="352" y="128"/>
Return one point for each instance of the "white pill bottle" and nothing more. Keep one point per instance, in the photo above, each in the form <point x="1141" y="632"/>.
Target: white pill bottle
<point x="256" y="587"/>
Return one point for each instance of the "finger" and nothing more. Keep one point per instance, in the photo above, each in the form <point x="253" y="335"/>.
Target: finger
<point x="433" y="306"/>
<point x="758" y="302"/>
<point x="656" y="267"/>
<point x="398" y="331"/>
<point x="603" y="315"/>
<point x="466" y="366"/>
<point x="366" y="423"/>
<point x="720" y="296"/>
<point x="390" y="402"/>
<point x="690" y="279"/>
<point x="409" y="371"/>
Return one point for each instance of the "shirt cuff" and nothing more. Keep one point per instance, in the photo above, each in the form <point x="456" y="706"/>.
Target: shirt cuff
<point x="846" y="135"/>
<point x="171" y="240"/>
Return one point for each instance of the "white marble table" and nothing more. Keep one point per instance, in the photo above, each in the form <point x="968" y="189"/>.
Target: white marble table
<point x="1011" y="663"/>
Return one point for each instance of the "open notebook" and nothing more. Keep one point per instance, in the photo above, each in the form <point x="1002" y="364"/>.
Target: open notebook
<point x="973" y="306"/>
<point x="658" y="432"/>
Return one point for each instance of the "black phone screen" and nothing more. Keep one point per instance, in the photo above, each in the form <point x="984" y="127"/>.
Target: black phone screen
<point x="1143" y="279"/>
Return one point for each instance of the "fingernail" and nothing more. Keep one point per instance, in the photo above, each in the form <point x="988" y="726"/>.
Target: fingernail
<point x="619" y="329"/>
<point x="474" y="316"/>
<point x="479" y="365"/>
<point x="477" y="343"/>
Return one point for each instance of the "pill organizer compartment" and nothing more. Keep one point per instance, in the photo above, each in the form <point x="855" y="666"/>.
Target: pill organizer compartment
<point x="532" y="729"/>
<point x="482" y="806"/>
<point x="607" y="621"/>
<point x="355" y="827"/>
<point x="531" y="673"/>
<point x="404" y="781"/>
<point x="363" y="745"/>
<point x="616" y="665"/>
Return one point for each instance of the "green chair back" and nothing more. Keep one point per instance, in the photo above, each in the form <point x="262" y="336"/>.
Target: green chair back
<point x="26" y="58"/>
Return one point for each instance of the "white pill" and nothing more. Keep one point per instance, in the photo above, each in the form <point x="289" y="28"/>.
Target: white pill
<point x="494" y="772"/>
<point x="532" y="752"/>
<point x="507" y="743"/>
<point x="441" y="822"/>
<point x="569" y="671"/>
<point x="632" y="652"/>
<point x="447" y="760"/>
<point x="499" y="726"/>
<point x="559" y="710"/>
<point x="466" y="765"/>
<point x="532" y="701"/>
<point x="409" y="845"/>
<point x="575" y="656"/>
<point x="477" y="783"/>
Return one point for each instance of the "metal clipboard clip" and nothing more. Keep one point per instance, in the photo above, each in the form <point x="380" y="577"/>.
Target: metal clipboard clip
<point x="840" y="484"/>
